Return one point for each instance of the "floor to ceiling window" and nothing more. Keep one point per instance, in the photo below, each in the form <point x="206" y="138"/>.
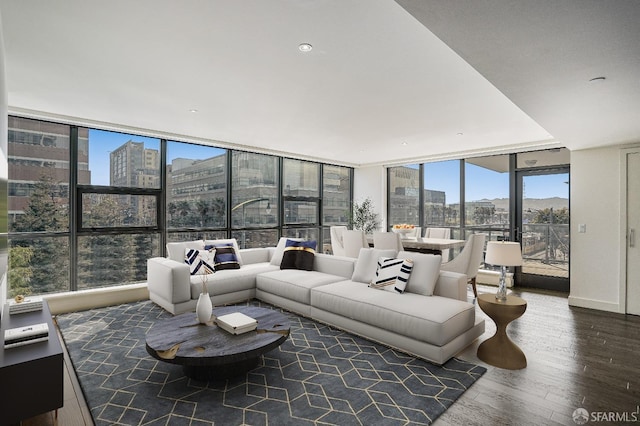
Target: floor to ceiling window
<point x="196" y="192"/>
<point x="442" y="196"/>
<point x="255" y="208"/>
<point x="404" y="195"/>
<point x="117" y="225"/>
<point x="301" y="199"/>
<point x="87" y="207"/>
<point x="38" y="193"/>
<point x="489" y="195"/>
<point x="336" y="200"/>
<point x="486" y="196"/>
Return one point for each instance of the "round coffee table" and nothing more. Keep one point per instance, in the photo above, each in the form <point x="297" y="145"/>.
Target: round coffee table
<point x="499" y="350"/>
<point x="207" y="352"/>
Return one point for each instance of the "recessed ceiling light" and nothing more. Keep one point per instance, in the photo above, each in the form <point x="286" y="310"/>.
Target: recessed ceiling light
<point x="305" y="47"/>
<point x="597" y="79"/>
<point x="404" y="144"/>
<point x="459" y="134"/>
<point x="193" y="110"/>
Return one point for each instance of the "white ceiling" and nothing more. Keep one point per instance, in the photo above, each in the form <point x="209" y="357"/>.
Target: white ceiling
<point x="378" y="87"/>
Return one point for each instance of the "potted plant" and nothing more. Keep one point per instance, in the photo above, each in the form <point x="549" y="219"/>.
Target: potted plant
<point x="363" y="217"/>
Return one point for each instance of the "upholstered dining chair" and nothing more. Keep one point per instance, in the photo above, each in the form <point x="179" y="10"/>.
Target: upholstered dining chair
<point x="439" y="233"/>
<point x="337" y="245"/>
<point x="469" y="260"/>
<point x="353" y="241"/>
<point x="387" y="241"/>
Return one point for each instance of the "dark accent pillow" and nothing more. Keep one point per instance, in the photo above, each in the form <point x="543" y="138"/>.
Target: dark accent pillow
<point x="225" y="257"/>
<point x="298" y="255"/>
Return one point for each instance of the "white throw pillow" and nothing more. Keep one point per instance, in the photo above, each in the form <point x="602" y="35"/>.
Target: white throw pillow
<point x="367" y="263"/>
<point x="425" y="272"/>
<point x="392" y="274"/>
<point x="175" y="251"/>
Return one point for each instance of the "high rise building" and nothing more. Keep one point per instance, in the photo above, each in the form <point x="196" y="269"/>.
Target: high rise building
<point x="40" y="151"/>
<point x="134" y="166"/>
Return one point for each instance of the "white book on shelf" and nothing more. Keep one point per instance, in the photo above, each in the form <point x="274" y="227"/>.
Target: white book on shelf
<point x="28" y="304"/>
<point x="26" y="334"/>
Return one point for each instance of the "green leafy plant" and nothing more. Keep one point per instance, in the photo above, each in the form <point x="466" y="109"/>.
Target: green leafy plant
<point x="363" y="217"/>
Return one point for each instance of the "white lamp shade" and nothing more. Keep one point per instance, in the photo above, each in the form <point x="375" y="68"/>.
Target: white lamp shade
<point x="503" y="253"/>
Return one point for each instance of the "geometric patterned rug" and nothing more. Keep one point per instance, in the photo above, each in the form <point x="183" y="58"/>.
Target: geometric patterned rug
<point x="318" y="376"/>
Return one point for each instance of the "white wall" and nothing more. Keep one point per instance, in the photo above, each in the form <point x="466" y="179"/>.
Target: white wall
<point x="372" y="182"/>
<point x="596" y="255"/>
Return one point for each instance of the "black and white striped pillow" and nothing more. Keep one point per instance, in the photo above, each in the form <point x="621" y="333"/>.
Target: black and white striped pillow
<point x="200" y="261"/>
<point x="392" y="274"/>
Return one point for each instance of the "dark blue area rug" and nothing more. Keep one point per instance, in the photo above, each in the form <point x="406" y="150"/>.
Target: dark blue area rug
<point x="319" y="375"/>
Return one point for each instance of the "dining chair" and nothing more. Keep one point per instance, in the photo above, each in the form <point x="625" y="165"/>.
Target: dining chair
<point x="439" y="233"/>
<point x="417" y="232"/>
<point x="469" y="260"/>
<point x="337" y="245"/>
<point x="353" y="241"/>
<point x="387" y="241"/>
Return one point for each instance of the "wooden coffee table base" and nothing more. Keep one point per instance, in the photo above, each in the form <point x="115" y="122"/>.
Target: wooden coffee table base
<point x="207" y="352"/>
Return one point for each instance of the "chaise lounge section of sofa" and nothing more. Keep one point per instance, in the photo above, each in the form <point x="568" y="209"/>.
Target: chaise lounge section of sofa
<point x="431" y="319"/>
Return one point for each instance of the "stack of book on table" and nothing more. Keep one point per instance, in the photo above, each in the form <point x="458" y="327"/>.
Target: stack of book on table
<point x="29" y="304"/>
<point x="25" y="335"/>
<point x="236" y="323"/>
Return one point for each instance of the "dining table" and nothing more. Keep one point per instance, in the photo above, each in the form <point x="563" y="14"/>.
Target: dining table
<point x="426" y="245"/>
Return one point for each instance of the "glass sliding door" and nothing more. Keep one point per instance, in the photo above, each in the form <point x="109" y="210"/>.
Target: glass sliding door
<point x="543" y="217"/>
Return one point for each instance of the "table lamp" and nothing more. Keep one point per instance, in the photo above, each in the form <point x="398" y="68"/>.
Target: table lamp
<point x="503" y="253"/>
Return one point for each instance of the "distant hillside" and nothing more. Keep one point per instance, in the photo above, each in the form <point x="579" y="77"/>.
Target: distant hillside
<point x="532" y="203"/>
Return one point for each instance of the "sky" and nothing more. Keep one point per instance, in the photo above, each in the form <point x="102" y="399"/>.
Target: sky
<point x="101" y="143"/>
<point x="481" y="183"/>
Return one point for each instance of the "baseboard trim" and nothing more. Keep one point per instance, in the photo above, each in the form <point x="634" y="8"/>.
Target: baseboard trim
<point x="582" y="302"/>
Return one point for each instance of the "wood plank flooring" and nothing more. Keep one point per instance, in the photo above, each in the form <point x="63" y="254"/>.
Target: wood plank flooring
<point x="576" y="358"/>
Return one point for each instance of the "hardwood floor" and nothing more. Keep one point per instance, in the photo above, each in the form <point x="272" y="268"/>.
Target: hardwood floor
<point x="576" y="358"/>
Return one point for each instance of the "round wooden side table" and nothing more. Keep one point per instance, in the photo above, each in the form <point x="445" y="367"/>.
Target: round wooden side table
<point x="499" y="350"/>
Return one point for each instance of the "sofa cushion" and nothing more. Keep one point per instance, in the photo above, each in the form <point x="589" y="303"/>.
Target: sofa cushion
<point x="425" y="272"/>
<point x="367" y="263"/>
<point x="435" y="320"/>
<point x="298" y="255"/>
<point x="175" y="251"/>
<point x="392" y="274"/>
<point x="230" y="280"/>
<point x="225" y="256"/>
<point x="294" y="284"/>
<point x="226" y="241"/>
<point x="200" y="261"/>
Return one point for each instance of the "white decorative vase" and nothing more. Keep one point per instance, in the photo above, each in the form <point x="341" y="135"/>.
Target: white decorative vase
<point x="204" y="308"/>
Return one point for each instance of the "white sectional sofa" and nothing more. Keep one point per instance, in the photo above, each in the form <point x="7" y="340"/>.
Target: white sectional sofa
<point x="431" y="319"/>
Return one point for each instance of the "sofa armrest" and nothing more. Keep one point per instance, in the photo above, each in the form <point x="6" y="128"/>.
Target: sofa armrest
<point x="334" y="265"/>
<point x="255" y="255"/>
<point x="452" y="285"/>
<point x="169" y="279"/>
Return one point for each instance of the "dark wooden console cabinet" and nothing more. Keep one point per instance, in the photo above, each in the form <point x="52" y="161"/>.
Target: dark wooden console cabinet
<point x="31" y="376"/>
